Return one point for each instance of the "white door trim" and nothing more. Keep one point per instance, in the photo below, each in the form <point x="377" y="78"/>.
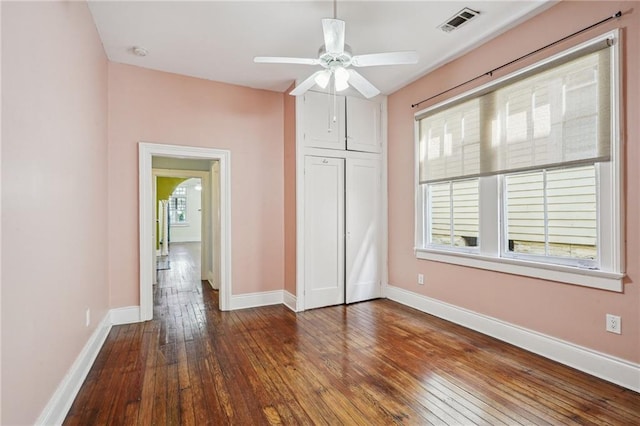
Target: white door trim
<point x="145" y="153"/>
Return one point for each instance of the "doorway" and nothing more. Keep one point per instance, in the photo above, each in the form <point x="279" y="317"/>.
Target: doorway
<point x="215" y="186"/>
<point x="186" y="210"/>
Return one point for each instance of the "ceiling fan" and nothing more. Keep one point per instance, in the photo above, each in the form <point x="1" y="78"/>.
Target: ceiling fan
<point x="336" y="59"/>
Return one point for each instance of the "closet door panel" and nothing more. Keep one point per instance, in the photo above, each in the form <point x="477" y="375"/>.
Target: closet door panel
<point x="363" y="125"/>
<point x="324" y="231"/>
<point x="362" y="230"/>
<point x="323" y="120"/>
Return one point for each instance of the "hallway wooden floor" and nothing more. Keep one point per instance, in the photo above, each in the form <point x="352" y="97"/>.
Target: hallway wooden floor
<point x="369" y="363"/>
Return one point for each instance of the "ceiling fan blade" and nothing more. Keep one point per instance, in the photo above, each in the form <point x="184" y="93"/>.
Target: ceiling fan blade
<point x="333" y="30"/>
<point x="361" y="84"/>
<point x="285" y="60"/>
<point x="306" y="84"/>
<point x="390" y="58"/>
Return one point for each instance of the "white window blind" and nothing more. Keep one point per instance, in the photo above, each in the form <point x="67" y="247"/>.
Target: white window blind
<point x="555" y="114"/>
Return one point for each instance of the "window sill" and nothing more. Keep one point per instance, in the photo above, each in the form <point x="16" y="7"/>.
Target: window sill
<point x="566" y="274"/>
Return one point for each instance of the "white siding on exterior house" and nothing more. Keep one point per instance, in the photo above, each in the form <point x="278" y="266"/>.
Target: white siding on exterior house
<point x="462" y="198"/>
<point x="571" y="212"/>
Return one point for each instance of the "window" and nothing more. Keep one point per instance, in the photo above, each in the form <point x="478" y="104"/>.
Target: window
<point x="523" y="175"/>
<point x="178" y="206"/>
<point x="552" y="213"/>
<point x="454" y="213"/>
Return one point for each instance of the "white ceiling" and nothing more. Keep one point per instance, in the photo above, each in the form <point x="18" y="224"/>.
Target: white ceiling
<point x="217" y="40"/>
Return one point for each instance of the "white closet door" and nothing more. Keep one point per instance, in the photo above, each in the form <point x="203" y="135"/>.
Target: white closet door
<point x="318" y="112"/>
<point x="363" y="230"/>
<point x="363" y="125"/>
<point x="324" y="231"/>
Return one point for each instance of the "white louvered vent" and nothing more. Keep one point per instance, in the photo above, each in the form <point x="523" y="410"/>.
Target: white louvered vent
<point x="459" y="19"/>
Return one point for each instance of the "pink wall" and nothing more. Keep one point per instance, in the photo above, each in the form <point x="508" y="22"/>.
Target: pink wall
<point x="54" y="180"/>
<point x="290" y="191"/>
<point x="152" y="106"/>
<point x="571" y="313"/>
<point x="56" y="170"/>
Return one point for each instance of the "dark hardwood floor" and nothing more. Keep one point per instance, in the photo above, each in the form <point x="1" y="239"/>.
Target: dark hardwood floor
<point x="370" y="363"/>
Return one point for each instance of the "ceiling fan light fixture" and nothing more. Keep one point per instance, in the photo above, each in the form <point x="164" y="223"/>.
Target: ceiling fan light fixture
<point x="342" y="78"/>
<point x="323" y="78"/>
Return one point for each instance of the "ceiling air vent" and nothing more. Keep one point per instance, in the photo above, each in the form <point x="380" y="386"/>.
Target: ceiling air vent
<point x="458" y="20"/>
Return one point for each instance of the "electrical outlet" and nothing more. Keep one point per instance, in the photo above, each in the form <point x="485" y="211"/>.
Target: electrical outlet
<point x="614" y="324"/>
<point x="420" y="279"/>
<point x="87" y="319"/>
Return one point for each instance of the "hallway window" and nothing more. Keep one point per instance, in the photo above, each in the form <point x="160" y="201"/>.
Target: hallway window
<point x="178" y="206"/>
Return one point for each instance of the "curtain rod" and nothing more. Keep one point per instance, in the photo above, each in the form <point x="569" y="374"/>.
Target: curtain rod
<point x="490" y="73"/>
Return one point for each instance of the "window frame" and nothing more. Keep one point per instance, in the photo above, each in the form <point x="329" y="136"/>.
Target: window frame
<point x="173" y="199"/>
<point x="557" y="260"/>
<point x="490" y="253"/>
<point x="427" y="226"/>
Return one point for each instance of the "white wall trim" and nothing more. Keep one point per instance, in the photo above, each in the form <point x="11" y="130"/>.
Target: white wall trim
<point x="607" y="367"/>
<point x="146" y="239"/>
<point x="289" y="300"/>
<point x="126" y="315"/>
<point x="60" y="402"/>
<point x="212" y="284"/>
<point x="384" y="218"/>
<point x="561" y="273"/>
<point x="255" y="300"/>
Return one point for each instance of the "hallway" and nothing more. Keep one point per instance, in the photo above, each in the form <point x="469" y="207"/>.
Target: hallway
<point x="178" y="273"/>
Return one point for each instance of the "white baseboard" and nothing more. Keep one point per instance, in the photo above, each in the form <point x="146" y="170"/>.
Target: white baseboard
<point x="58" y="406"/>
<point x="60" y="402"/>
<point x="289" y="300"/>
<point x="213" y="285"/>
<point x="607" y="367"/>
<point x="126" y="315"/>
<point x="254" y="300"/>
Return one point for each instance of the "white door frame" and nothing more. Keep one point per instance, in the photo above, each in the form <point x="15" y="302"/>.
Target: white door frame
<point x="146" y="239"/>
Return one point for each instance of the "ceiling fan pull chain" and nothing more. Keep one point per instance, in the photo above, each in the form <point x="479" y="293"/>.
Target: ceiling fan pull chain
<point x="329" y="127"/>
<point x="334" y="99"/>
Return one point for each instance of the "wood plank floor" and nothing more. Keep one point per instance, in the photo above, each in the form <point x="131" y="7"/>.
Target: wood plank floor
<point x="370" y="363"/>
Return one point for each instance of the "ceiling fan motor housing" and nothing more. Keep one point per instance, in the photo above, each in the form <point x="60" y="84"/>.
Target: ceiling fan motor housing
<point x="329" y="60"/>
